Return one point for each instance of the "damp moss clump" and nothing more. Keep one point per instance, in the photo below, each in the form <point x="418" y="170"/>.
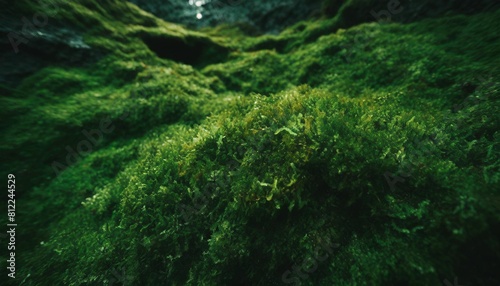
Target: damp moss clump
<point x="362" y="156"/>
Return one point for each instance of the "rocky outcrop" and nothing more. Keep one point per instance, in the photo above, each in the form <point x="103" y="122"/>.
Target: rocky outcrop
<point x="31" y="42"/>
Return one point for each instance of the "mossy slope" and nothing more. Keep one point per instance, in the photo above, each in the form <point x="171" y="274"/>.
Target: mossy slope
<point x="381" y="138"/>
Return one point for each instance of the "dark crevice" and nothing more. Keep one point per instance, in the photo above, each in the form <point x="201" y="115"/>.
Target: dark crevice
<point x="194" y="51"/>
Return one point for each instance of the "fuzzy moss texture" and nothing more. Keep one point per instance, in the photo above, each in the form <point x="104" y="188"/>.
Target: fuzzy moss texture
<point x="376" y="146"/>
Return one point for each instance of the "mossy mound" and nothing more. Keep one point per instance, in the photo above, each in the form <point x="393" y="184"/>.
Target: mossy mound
<point x="322" y="156"/>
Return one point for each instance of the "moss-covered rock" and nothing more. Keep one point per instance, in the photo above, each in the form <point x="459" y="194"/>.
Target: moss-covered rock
<point x="321" y="156"/>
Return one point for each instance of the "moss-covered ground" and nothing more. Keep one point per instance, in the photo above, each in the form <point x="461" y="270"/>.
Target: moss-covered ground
<point x="321" y="156"/>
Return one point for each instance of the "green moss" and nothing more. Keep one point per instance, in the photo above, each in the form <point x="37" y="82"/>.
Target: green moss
<point x="235" y="173"/>
<point x="252" y="72"/>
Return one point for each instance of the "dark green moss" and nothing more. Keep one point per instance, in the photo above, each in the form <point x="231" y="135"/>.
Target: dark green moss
<point x="377" y="143"/>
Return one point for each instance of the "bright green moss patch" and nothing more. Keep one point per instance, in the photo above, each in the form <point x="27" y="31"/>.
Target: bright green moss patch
<point x="374" y="148"/>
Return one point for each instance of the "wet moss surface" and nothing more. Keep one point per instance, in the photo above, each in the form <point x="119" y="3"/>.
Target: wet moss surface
<point x="330" y="154"/>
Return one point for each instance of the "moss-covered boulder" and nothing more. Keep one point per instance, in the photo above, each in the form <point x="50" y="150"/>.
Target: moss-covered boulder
<point x="326" y="155"/>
